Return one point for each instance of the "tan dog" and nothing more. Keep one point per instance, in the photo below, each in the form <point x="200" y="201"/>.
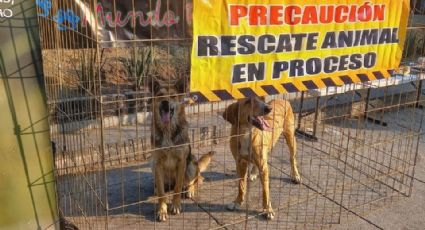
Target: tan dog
<point x="256" y="127"/>
<point x="172" y="160"/>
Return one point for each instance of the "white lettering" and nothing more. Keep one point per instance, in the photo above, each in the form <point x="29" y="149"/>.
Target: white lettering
<point x="6" y="13"/>
<point x="7" y="1"/>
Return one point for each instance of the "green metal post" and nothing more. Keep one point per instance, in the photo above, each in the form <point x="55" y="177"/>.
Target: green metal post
<point x="27" y="188"/>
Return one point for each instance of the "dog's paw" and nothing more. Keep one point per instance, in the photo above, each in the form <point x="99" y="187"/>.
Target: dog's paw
<point x="254" y="173"/>
<point x="162" y="214"/>
<point x="233" y="206"/>
<point x="296" y="179"/>
<point x="190" y="193"/>
<point x="269" y="214"/>
<point x="176" y="208"/>
<point x="253" y="177"/>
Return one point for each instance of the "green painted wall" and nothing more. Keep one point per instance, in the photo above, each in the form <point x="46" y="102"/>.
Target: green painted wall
<point x="27" y="189"/>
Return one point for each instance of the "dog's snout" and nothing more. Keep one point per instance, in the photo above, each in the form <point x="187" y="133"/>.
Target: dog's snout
<point x="267" y="109"/>
<point x="165" y="105"/>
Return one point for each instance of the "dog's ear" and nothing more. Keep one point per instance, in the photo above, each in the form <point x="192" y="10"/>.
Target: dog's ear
<point x="154" y="85"/>
<point x="231" y="113"/>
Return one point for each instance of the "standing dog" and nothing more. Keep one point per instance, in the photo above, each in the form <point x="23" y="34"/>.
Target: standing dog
<point x="172" y="161"/>
<point x="256" y="127"/>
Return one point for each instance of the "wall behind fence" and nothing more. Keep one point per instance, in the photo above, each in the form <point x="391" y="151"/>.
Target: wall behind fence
<point x="28" y="195"/>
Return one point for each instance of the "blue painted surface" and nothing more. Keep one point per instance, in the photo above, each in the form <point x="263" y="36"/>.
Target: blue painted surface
<point x="65" y="18"/>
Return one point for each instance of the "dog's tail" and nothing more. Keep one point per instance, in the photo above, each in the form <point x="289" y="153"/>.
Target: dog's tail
<point x="205" y="160"/>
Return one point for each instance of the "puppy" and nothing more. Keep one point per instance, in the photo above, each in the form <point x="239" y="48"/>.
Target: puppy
<point x="256" y="127"/>
<point x="172" y="160"/>
<point x="194" y="168"/>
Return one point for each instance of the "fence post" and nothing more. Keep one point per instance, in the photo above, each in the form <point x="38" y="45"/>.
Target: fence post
<point x="28" y="198"/>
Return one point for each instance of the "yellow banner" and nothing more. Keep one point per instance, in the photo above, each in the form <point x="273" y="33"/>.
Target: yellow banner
<point x="246" y="48"/>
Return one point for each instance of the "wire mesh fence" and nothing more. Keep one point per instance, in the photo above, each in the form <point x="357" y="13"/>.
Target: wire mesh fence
<point x="112" y="81"/>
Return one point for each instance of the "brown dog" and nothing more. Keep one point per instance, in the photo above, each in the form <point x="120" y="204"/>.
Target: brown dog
<point x="256" y="127"/>
<point x="172" y="160"/>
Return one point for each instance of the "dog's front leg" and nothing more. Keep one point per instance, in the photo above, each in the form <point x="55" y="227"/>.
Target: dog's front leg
<point x="242" y="171"/>
<point x="176" y="206"/>
<point x="159" y="190"/>
<point x="264" y="177"/>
